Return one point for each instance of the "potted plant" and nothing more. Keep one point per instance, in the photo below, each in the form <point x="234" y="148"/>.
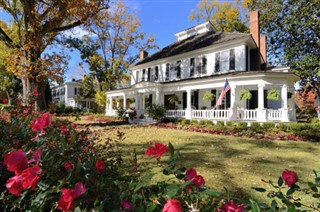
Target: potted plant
<point x="245" y="95"/>
<point x="273" y="95"/>
<point x="208" y="96"/>
<point x="173" y="99"/>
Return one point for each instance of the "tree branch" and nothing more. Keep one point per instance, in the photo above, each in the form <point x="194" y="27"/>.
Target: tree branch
<point x="6" y="39"/>
<point x="70" y="26"/>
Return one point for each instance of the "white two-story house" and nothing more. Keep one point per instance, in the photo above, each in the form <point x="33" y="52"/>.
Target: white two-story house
<point x="200" y="61"/>
<point x="68" y="93"/>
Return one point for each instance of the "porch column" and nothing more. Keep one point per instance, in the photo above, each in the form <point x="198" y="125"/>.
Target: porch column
<point x="233" y="108"/>
<point x="292" y="108"/>
<point x="124" y="101"/>
<point x="284" y="103"/>
<point x="136" y="101"/>
<point x="188" y="109"/>
<point x="261" y="111"/>
<point x="158" y="97"/>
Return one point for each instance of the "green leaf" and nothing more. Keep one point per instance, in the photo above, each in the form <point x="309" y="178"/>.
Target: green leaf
<point x="185" y="184"/>
<point x="171" y="149"/>
<point x="77" y="209"/>
<point x="181" y="176"/>
<point x="259" y="189"/>
<point x="313" y="187"/>
<point x="171" y="191"/>
<point x="254" y="206"/>
<point x="212" y="193"/>
<point x="291" y="207"/>
<point x="280" y="195"/>
<point x="274" y="204"/>
<point x="43" y="186"/>
<point x="280" y="181"/>
<point x="151" y="207"/>
<point x="290" y="191"/>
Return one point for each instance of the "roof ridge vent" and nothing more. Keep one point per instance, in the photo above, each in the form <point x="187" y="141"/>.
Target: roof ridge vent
<point x="195" y="30"/>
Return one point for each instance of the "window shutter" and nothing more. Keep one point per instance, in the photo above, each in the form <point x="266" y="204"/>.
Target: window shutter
<point x="167" y="71"/>
<point x="149" y="74"/>
<point x="192" y="67"/>
<point x="217" y="62"/>
<point x="143" y="74"/>
<point x="178" y="69"/>
<point x="232" y="62"/>
<point x="204" y="65"/>
<point x="156" y="74"/>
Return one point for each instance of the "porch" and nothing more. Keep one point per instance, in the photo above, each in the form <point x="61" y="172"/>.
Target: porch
<point x="266" y="115"/>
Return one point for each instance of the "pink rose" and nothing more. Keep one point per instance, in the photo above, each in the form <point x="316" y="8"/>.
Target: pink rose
<point x="38" y="124"/>
<point x="289" y="177"/>
<point x="125" y="204"/>
<point x="172" y="205"/>
<point x="65" y="202"/>
<point x="68" y="166"/>
<point x="30" y="176"/>
<point x="5" y="101"/>
<point x="197" y="180"/>
<point x="35" y="93"/>
<point x="14" y="185"/>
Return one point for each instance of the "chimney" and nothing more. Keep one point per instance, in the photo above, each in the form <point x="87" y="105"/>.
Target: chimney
<point x="263" y="47"/>
<point x="143" y="54"/>
<point x="255" y="27"/>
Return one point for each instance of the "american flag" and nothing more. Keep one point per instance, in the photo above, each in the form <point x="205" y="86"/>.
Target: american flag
<point x="226" y="88"/>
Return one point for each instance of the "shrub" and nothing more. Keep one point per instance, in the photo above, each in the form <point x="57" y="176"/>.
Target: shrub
<point x="283" y="127"/>
<point x="230" y="123"/>
<point x="202" y="123"/>
<point x="209" y="123"/>
<point x="185" y="122"/>
<point x="121" y="112"/>
<point x="194" y="122"/>
<point x="156" y="111"/>
<point x="256" y="127"/>
<point x="220" y="123"/>
<point x="267" y="126"/>
<point x="68" y="110"/>
<point x="241" y="126"/>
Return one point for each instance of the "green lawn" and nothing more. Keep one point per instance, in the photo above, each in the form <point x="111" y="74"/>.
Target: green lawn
<point x="237" y="163"/>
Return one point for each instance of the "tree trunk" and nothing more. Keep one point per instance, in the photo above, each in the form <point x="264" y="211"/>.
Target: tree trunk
<point x="30" y="85"/>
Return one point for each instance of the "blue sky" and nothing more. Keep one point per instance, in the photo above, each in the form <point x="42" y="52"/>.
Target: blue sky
<point x="162" y="18"/>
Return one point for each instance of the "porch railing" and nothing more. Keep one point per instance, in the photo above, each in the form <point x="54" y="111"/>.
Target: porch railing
<point x="175" y="113"/>
<point x="112" y="113"/>
<point x="210" y="114"/>
<point x="274" y="115"/>
<point x="247" y="115"/>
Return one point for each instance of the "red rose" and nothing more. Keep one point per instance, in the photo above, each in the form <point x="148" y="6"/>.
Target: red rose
<point x="157" y="150"/>
<point x="41" y="123"/>
<point x="30" y="176"/>
<point x="172" y="205"/>
<point x="14" y="185"/>
<point x="68" y="166"/>
<point x="289" y="177"/>
<point x="231" y="207"/>
<point x="5" y="101"/>
<point x="197" y="180"/>
<point x="16" y="161"/>
<point x="125" y="204"/>
<point x="100" y="166"/>
<point x="35" y="93"/>
<point x="65" y="202"/>
<point x="73" y="125"/>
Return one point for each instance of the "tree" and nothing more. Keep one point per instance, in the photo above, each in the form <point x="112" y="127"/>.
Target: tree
<point x="87" y="88"/>
<point x="38" y="23"/>
<point x="225" y="16"/>
<point x="293" y="28"/>
<point x="114" y="35"/>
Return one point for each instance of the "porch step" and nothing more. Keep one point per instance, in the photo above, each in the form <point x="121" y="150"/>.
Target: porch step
<point x="144" y="121"/>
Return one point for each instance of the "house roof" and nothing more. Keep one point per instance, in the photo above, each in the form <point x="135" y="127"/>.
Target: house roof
<point x="193" y="43"/>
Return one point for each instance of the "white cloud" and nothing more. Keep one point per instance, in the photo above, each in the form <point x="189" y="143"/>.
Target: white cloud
<point x="77" y="32"/>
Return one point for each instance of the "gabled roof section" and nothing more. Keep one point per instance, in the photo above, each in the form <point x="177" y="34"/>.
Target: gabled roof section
<point x="193" y="43"/>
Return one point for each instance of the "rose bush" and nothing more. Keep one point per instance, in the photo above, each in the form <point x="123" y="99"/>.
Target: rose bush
<point x="50" y="164"/>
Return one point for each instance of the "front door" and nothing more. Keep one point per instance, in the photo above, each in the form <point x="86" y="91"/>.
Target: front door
<point x="252" y="103"/>
<point x="167" y="104"/>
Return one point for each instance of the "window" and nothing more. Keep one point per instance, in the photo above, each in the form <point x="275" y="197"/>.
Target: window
<point x="178" y="69"/>
<point x="192" y="67"/>
<point x="167" y="71"/>
<point x="232" y="63"/>
<point x="224" y="61"/>
<point x="156" y="74"/>
<point x="75" y="91"/>
<point x="149" y="74"/>
<point x="143" y="74"/>
<point x="204" y="65"/>
<point x="217" y="62"/>
<point x="63" y="91"/>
